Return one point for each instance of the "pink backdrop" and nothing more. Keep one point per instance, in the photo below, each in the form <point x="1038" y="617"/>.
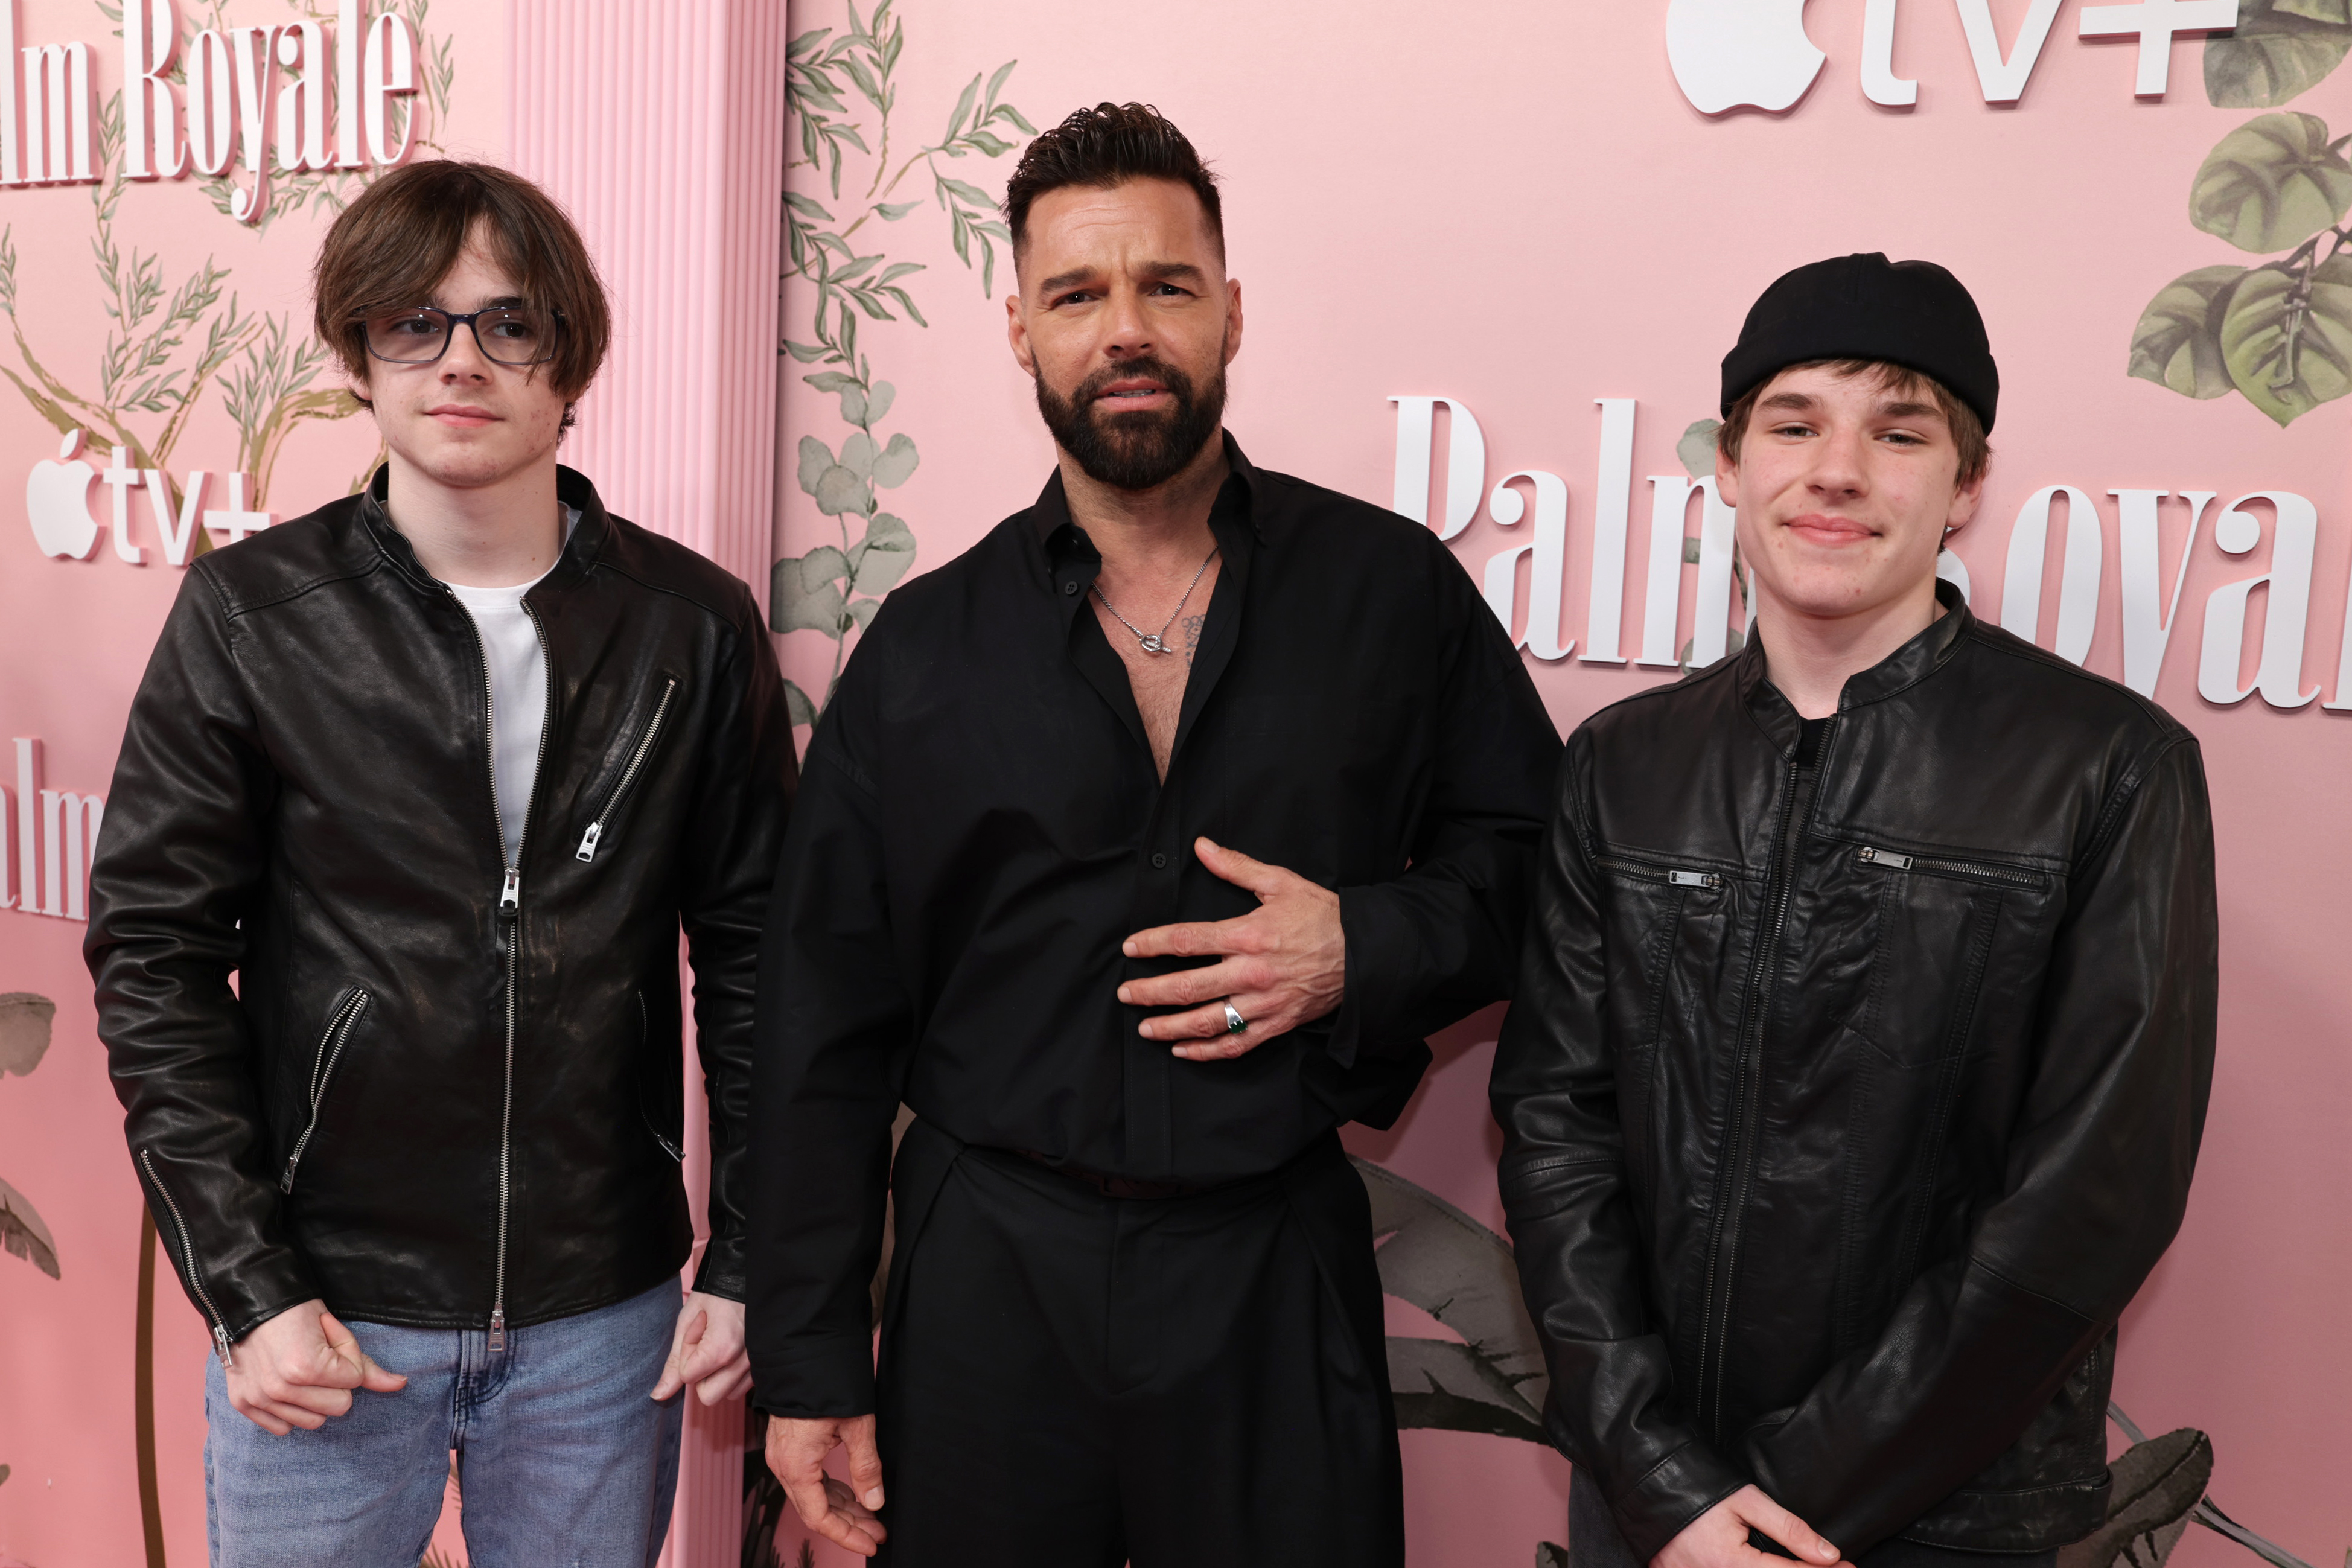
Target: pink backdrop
<point x="1512" y="208"/>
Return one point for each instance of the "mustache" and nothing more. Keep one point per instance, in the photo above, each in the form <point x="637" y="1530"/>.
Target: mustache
<point x="1165" y="376"/>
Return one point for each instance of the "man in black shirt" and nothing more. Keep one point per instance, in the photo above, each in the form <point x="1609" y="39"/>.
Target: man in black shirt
<point x="1132" y="1313"/>
<point x="1856" y="1076"/>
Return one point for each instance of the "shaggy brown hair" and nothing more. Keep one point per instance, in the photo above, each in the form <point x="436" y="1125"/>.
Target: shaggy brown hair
<point x="1109" y="145"/>
<point x="1968" y="430"/>
<point x="393" y="246"/>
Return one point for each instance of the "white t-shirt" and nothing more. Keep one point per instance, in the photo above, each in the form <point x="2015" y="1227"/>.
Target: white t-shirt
<point x="517" y="692"/>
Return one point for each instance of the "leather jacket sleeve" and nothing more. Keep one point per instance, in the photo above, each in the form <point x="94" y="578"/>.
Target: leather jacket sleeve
<point x="1612" y="1408"/>
<point x="834" y="1037"/>
<point x="1439" y="942"/>
<point x="746" y="781"/>
<point x="2097" y="1181"/>
<point x="177" y="869"/>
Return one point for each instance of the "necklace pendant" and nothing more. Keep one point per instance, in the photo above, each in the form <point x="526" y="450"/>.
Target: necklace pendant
<point x="1151" y="645"/>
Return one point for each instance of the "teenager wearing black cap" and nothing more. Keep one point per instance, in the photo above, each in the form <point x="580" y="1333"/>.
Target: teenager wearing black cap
<point x="1863" y="1035"/>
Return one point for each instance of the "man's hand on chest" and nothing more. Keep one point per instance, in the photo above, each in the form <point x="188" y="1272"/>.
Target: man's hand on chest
<point x="1283" y="964"/>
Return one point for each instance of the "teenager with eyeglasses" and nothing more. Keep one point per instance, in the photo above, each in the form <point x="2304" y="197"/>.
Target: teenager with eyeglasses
<point x="416" y="795"/>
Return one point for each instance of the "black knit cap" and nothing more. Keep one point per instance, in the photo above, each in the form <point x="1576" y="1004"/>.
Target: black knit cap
<point x="1911" y="313"/>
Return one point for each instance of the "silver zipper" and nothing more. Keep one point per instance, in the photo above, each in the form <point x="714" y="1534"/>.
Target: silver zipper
<point x="1668" y="875"/>
<point x="1893" y="860"/>
<point x="330" y="1050"/>
<point x="510" y="908"/>
<point x="188" y="1255"/>
<point x="587" y="850"/>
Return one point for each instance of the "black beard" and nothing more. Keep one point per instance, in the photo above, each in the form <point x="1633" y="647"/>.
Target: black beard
<point x="1140" y="450"/>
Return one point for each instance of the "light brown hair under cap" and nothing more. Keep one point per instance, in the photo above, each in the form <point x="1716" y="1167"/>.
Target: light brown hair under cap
<point x="392" y="247"/>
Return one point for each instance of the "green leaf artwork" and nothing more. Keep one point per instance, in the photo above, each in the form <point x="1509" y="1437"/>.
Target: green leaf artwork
<point x="2279" y="50"/>
<point x="2287" y="340"/>
<point x="2178" y="343"/>
<point x="1697" y="449"/>
<point x="2278" y="333"/>
<point x="1446" y="1263"/>
<point x="26" y="1023"/>
<point x="2273" y="183"/>
<point x="836" y="589"/>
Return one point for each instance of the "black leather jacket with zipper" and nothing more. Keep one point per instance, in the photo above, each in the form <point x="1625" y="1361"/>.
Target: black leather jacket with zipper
<point x="439" y="1094"/>
<point x="1846" y="1106"/>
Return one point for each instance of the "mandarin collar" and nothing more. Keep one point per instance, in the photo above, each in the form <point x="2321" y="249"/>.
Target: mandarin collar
<point x="572" y="489"/>
<point x="1908" y="666"/>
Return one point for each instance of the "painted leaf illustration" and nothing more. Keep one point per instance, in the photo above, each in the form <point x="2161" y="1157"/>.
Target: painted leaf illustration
<point x="2289" y="345"/>
<point x="1550" y="1555"/>
<point x="896" y="464"/>
<point x="2156" y="1484"/>
<point x="815" y="457"/>
<point x="1697" y="449"/>
<point x="796" y="702"/>
<point x="2272" y="183"/>
<point x="23" y="1235"/>
<point x="857" y="454"/>
<point x="2279" y="50"/>
<point x="887" y="551"/>
<point x="25" y="1021"/>
<point x="804" y="593"/>
<point x="840" y="489"/>
<point x="2178" y="343"/>
<point x="1459" y="1272"/>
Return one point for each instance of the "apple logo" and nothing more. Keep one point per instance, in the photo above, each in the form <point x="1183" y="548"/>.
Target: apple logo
<point x="56" y="501"/>
<point x="1729" y="54"/>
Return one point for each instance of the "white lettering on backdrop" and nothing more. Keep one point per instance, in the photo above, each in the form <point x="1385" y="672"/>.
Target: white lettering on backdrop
<point x="45" y="861"/>
<point x="239" y="100"/>
<point x="2150" y="607"/>
<point x="56" y="505"/>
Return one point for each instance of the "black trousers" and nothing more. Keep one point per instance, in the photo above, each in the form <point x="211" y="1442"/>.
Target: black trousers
<point x="1071" y="1379"/>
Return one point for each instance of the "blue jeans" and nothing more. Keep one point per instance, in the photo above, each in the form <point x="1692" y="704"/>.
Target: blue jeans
<point x="561" y="1456"/>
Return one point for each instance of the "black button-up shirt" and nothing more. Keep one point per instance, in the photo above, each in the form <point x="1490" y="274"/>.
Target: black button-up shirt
<point x="980" y="825"/>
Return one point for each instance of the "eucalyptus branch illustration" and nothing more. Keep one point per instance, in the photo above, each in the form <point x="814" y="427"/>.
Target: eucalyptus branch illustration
<point x="836" y="588"/>
<point x="2280" y="333"/>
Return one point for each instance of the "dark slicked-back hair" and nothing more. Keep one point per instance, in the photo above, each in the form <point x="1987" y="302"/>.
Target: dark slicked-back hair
<point x="1109" y="145"/>
<point x="394" y="245"/>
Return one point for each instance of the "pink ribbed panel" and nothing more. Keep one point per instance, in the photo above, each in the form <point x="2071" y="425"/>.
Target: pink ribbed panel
<point x="659" y="126"/>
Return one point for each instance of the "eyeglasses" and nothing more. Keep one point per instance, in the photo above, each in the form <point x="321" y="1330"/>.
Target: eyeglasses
<point x="509" y="334"/>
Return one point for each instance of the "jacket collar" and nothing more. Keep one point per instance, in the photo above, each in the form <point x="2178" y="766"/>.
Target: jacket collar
<point x="1908" y="666"/>
<point x="571" y="488"/>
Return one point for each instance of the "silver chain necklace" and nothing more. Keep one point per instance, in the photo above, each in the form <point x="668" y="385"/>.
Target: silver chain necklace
<point x="1157" y="642"/>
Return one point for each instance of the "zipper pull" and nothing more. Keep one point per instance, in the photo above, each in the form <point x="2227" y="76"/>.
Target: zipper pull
<point x="510" y="891"/>
<point x="1884" y="857"/>
<point x="497" y="1331"/>
<point x="220" y="1343"/>
<point x="588" y="844"/>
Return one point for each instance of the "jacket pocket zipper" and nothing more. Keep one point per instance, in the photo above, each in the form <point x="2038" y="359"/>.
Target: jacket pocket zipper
<point x="1664" y="876"/>
<point x="331" y="1051"/>
<point x="188" y="1255"/>
<point x="1972" y="870"/>
<point x="628" y="779"/>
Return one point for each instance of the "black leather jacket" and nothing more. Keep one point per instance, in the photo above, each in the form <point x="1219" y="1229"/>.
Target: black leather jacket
<point x="1846" y="1107"/>
<point x="437" y="1092"/>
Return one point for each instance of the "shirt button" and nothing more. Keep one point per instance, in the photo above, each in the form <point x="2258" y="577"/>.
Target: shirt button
<point x="1068" y="588"/>
<point x="1159" y="862"/>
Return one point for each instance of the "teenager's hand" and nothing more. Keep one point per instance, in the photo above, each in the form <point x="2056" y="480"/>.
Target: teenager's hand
<point x="1718" y="1538"/>
<point x="796" y="1451"/>
<point x="299" y="1368"/>
<point x="706" y="1350"/>
<point x="1285" y="962"/>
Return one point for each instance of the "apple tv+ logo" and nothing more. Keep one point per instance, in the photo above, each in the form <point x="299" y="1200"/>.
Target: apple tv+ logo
<point x="1754" y="54"/>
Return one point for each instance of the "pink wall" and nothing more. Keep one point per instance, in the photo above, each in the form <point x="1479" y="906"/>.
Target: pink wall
<point x="1513" y="206"/>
